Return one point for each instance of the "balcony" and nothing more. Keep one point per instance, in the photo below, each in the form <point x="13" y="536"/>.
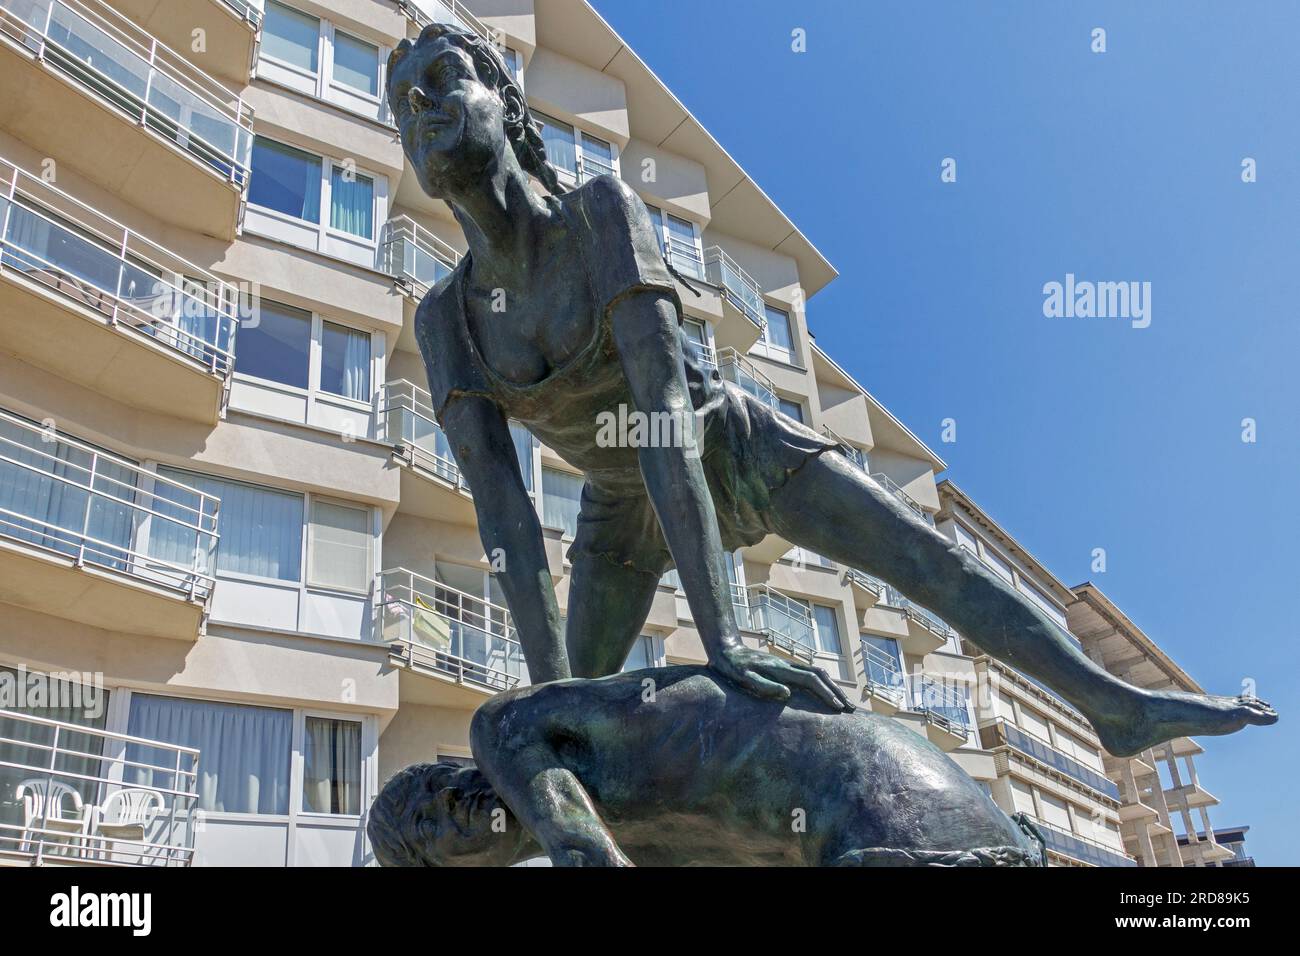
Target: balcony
<point x="415" y="257"/>
<point x="95" y="92"/>
<point x="230" y="30"/>
<point x="947" y="722"/>
<point x="435" y="629"/>
<point x="926" y="631"/>
<point x="999" y="733"/>
<point x="684" y="255"/>
<point x="895" y="489"/>
<point x="72" y="795"/>
<point x="740" y="371"/>
<point x="867" y="589"/>
<point x="783" y="623"/>
<point x="883" y="680"/>
<point x="424" y="12"/>
<point x="432" y="483"/>
<point x="88" y="299"/>
<point x="854" y="454"/>
<point x="89" y="537"/>
<point x="1080" y="848"/>
<point x="741" y="295"/>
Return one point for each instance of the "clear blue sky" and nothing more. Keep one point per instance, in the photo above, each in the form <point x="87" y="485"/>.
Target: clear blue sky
<point x="1073" y="433"/>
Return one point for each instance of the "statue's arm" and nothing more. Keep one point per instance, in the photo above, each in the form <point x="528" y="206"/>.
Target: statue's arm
<point x="509" y="529"/>
<point x="645" y="332"/>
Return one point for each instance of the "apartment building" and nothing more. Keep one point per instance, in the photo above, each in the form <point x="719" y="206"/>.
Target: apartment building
<point x="241" y="582"/>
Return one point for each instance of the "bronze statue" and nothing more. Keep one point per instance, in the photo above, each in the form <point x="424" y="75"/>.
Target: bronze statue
<point x="564" y="309"/>
<point x="673" y="765"/>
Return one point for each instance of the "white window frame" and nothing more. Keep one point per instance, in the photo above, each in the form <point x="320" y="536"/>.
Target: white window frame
<point x="309" y="533"/>
<point x="574" y="178"/>
<point x="660" y="217"/>
<point x="298" y="776"/>
<point x="766" y="348"/>
<point x="321" y="236"/>
<point x="313" y="405"/>
<point x="321" y="84"/>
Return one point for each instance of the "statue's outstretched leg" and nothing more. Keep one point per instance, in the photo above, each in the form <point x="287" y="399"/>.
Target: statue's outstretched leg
<point x="835" y="509"/>
<point x="608" y="607"/>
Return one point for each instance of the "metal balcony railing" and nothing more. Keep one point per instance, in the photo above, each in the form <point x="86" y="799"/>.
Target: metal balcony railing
<point x="1084" y="849"/>
<point x="851" y="452"/>
<point x="409" y="423"/>
<point x="246" y="11"/>
<point x="926" y="618"/>
<point x="684" y="254"/>
<point x="783" y="621"/>
<point x="71" y="794"/>
<point x="738" y="370"/>
<point x="432" y="626"/>
<point x="941" y="705"/>
<point x="411" y="252"/>
<point x="1001" y="733"/>
<point x="78" y="502"/>
<point x="868" y="582"/>
<point x="593" y="166"/>
<point x="424" y="12"/>
<point x="882" y="675"/>
<point x="112" y="59"/>
<point x="895" y="489"/>
<point x="736" y="284"/>
<point x="49" y="237"/>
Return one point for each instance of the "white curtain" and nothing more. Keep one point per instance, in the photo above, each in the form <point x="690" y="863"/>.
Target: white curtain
<point x="340" y="546"/>
<point x="243" y="751"/>
<point x="352" y="203"/>
<point x="828" y="629"/>
<point x="561" y="150"/>
<point x="345" y="362"/>
<point x="561" y="499"/>
<point x="331" y="777"/>
<point x="260" y="529"/>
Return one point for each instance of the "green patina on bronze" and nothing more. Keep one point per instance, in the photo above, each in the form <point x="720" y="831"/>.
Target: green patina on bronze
<point x="564" y="311"/>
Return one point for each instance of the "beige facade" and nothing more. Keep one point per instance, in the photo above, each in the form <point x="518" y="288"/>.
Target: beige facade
<point x="244" y="524"/>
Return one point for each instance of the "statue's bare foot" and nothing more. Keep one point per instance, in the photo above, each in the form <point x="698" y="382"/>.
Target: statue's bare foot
<point x="1165" y="715"/>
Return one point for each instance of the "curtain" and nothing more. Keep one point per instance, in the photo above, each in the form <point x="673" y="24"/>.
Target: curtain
<point x="561" y="150"/>
<point x="778" y="329"/>
<point x="286" y="180"/>
<point x="828" y="630"/>
<point x="260" y="529"/>
<point x="62" y="701"/>
<point x="352" y="203"/>
<point x="331" y="777"/>
<point x="243" y="751"/>
<point x="340" y="546"/>
<point x="39" y="508"/>
<point x="345" y="362"/>
<point x="561" y="499"/>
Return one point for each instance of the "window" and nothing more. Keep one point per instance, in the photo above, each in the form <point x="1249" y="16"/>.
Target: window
<point x="290" y="36"/>
<point x="523" y="440"/>
<point x="260" y="529"/>
<point x="1045" y="604"/>
<point x="965" y="538"/>
<point x="331" y="775"/>
<point x="311" y="56"/>
<point x="561" y="498"/>
<point x="291" y="189"/>
<point x="791" y="408"/>
<point x="777" y="340"/>
<point x="642" y="655"/>
<point x="345" y="362"/>
<point x="244" y="751"/>
<point x="1003" y="569"/>
<point x="338" y="547"/>
<point x="827" y="626"/>
<point x="679" y="240"/>
<point x="278" y="347"/>
<point x="285" y="180"/>
<point x="580" y="155"/>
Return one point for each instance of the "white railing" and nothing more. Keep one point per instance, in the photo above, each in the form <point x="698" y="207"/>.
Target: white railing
<point x="851" y="452"/>
<point x="895" y="489"/>
<point x="77" y="795"/>
<point x="246" y="11"/>
<point x="425" y="12"/>
<point x="923" y="616"/>
<point x="737" y="369"/>
<point x="111" y="58"/>
<point x="593" y="166"/>
<point x="868" y="582"/>
<point x="684" y="254"/>
<point x="432" y="626"/>
<point x="736" y="284"/>
<point x="407" y="414"/>
<point x="49" y="237"/>
<point x="783" y="621"/>
<point x="882" y="675"/>
<point x="78" y="502"/>
<point x="941" y="705"/>
<point x="411" y="252"/>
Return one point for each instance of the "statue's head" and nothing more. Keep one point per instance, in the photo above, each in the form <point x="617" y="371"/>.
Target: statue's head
<point x="460" y="114"/>
<point x="442" y="814"/>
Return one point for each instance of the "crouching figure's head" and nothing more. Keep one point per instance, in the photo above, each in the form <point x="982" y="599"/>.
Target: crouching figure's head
<point x="441" y="814"/>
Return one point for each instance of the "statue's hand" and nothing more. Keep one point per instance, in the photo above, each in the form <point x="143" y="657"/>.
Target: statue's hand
<point x="771" y="678"/>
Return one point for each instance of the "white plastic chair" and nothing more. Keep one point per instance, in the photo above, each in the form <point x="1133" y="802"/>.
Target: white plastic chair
<point x="34" y="793"/>
<point x="127" y="815"/>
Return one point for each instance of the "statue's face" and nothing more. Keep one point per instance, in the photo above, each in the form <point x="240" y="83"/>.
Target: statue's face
<point x="450" y="122"/>
<point x="462" y="824"/>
